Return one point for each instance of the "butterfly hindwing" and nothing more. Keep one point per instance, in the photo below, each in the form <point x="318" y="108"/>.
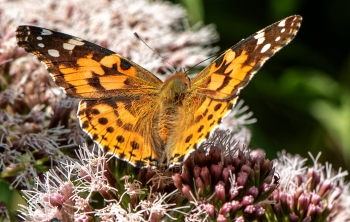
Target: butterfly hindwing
<point x="83" y="69"/>
<point x="206" y="115"/>
<point x="117" y="127"/>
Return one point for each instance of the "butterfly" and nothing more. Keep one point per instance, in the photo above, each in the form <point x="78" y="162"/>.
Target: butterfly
<point x="131" y="113"/>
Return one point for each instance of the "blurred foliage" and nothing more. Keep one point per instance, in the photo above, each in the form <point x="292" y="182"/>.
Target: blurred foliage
<point x="10" y="198"/>
<point x="301" y="97"/>
<point x="194" y="9"/>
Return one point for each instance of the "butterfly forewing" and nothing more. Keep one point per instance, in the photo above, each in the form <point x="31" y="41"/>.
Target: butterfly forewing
<point x="231" y="71"/>
<point x="84" y="69"/>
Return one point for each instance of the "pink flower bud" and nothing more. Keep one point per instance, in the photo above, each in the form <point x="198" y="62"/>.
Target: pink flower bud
<point x="220" y="191"/>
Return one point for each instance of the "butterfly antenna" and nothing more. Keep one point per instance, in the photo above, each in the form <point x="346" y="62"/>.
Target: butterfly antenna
<point x="202" y="61"/>
<point x="137" y="36"/>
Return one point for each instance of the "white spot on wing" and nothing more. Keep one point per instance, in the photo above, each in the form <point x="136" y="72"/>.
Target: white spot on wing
<point x="265" y="48"/>
<point x="68" y="46"/>
<point x="46" y="32"/>
<point x="259" y="35"/>
<point x="75" y="42"/>
<point x="277" y="39"/>
<point x="53" y="52"/>
<point x="283" y="30"/>
<point x="282" y="23"/>
<point x="39" y="38"/>
<point x="260" y="40"/>
<point x="41" y="45"/>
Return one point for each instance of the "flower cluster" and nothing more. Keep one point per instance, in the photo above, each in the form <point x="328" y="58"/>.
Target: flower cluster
<point x="67" y="194"/>
<point x="226" y="186"/>
<point x="314" y="193"/>
<point x="209" y="186"/>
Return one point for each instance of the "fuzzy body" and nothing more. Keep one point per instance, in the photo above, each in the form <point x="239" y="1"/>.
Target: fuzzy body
<point x="171" y="110"/>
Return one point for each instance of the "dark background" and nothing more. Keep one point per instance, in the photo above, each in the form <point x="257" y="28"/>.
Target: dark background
<point x="301" y="96"/>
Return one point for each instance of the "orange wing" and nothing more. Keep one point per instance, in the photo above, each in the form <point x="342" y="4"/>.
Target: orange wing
<point x="119" y="104"/>
<point x="193" y="129"/>
<point x="122" y="127"/>
<point x="83" y="69"/>
<point x="215" y="90"/>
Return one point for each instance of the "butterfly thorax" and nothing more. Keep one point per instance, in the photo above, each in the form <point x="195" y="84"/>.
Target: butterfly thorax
<point x="174" y="89"/>
<point x="171" y="97"/>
